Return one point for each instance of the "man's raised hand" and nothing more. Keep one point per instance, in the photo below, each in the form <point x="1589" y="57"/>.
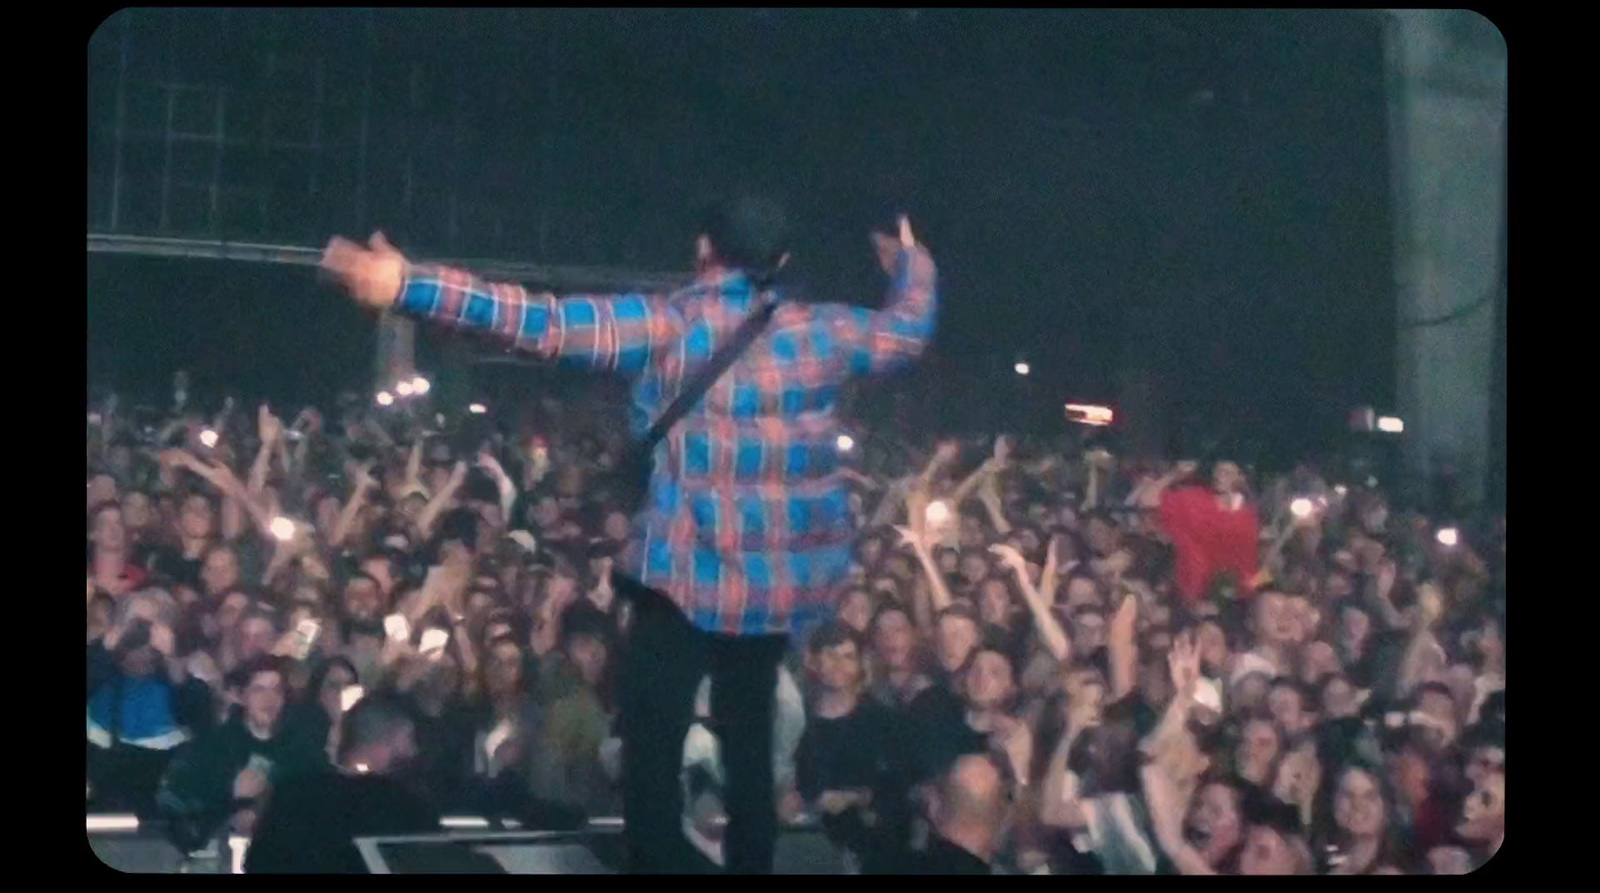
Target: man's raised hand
<point x="372" y="274"/>
<point x="889" y="247"/>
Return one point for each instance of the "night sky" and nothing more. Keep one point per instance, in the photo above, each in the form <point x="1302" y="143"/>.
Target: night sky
<point x="1194" y="199"/>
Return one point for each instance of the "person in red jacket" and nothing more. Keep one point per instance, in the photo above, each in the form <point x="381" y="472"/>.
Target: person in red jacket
<point x="1213" y="528"/>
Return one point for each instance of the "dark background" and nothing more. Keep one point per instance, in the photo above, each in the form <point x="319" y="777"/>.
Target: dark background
<point x="1186" y="212"/>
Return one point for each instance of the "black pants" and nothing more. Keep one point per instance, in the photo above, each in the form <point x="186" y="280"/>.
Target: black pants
<point x="665" y="660"/>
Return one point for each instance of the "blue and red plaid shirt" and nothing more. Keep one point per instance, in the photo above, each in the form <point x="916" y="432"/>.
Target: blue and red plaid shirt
<point x="747" y="527"/>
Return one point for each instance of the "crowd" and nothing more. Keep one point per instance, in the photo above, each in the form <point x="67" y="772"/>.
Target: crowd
<point x="1047" y="660"/>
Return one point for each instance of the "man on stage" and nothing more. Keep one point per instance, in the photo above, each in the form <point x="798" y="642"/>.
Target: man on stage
<point x="746" y="530"/>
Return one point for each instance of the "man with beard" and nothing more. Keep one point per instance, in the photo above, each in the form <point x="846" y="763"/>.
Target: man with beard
<point x="312" y="821"/>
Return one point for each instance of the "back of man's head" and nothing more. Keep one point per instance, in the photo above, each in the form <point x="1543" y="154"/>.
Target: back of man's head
<point x="374" y="735"/>
<point x="747" y="232"/>
<point x="972" y="801"/>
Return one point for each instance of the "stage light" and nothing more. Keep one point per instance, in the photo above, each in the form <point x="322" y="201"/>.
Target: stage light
<point x="846" y="443"/>
<point x="208" y="439"/>
<point x="385" y="398"/>
<point x="477" y="409"/>
<point x="1089" y="414"/>
<point x="1449" y="537"/>
<point x="403" y="389"/>
<point x="1301" y="508"/>
<point x="420" y="386"/>
<point x="1022" y="368"/>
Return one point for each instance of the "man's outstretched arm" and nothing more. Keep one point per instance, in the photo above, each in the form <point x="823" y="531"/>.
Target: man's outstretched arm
<point x="884" y="340"/>
<point x="603" y="332"/>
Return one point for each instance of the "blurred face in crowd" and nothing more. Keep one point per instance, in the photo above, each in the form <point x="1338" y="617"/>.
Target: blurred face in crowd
<point x="894" y="640"/>
<point x="196" y="519"/>
<point x="263" y="703"/>
<point x="108" y="533"/>
<point x="994" y="603"/>
<point x="1289" y="711"/>
<point x="1226" y="478"/>
<point x="547" y="513"/>
<point x="1102" y="536"/>
<point x="974" y="567"/>
<point x="1441" y="709"/>
<point x="102" y="488"/>
<point x="871" y="551"/>
<point x="1275" y="620"/>
<point x="256" y="638"/>
<point x="1213" y="647"/>
<point x="838" y="668"/>
<point x="957" y="637"/>
<point x="1318" y="660"/>
<point x="1088" y="631"/>
<point x="1258" y="750"/>
<point x="137" y="513"/>
<point x="1248" y="694"/>
<point x="334" y="683"/>
<point x="1483" y="760"/>
<point x="1085" y="689"/>
<point x="1339" y="699"/>
<point x="220" y="572"/>
<point x="855" y="610"/>
<point x="616" y="527"/>
<point x="949" y="562"/>
<point x="1483" y="814"/>
<point x="1267" y="853"/>
<point x="1214" y="826"/>
<point x="1358" y="805"/>
<point x="1337" y="586"/>
<point x="589" y="655"/>
<point x="1299" y="775"/>
<point x="1354" y="628"/>
<point x="362" y="599"/>
<point x="899" y="567"/>
<point x="1082" y="591"/>
<point x="990" y="681"/>
<point x="503" y="671"/>
<point x="231" y="610"/>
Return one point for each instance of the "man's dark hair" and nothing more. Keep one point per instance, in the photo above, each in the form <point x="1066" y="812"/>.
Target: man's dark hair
<point x="240" y="678"/>
<point x="832" y="635"/>
<point x="374" y="719"/>
<point x="584" y="620"/>
<point x="459" y="526"/>
<point x="747" y="232"/>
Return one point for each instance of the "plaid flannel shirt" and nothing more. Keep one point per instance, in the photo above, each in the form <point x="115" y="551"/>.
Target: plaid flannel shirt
<point x="747" y="527"/>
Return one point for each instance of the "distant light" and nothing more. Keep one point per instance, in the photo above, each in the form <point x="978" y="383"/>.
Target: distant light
<point x="282" y="529"/>
<point x="420" y="386"/>
<point x="477" y="409"/>
<point x="938" y="513"/>
<point x="1089" y="414"/>
<point x="1391" y="424"/>
<point x="1341" y="490"/>
<point x="403" y="389"/>
<point x="1449" y="536"/>
<point x="111" y="823"/>
<point x="463" y="822"/>
<point x="385" y="398"/>
<point x="846" y="443"/>
<point x="1301" y="508"/>
<point x="208" y="439"/>
<point x="1022" y="369"/>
